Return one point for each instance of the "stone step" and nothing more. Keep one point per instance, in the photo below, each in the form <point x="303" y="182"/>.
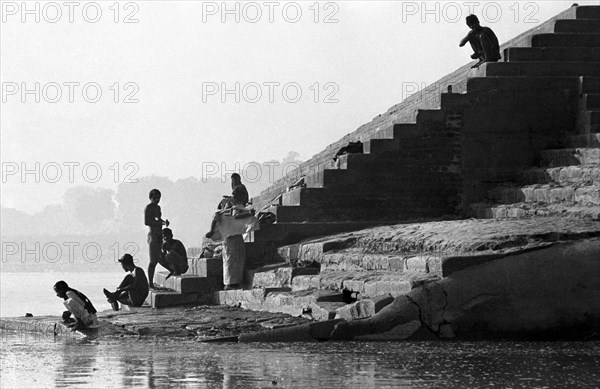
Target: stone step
<point x="427" y="117"/>
<point x="591" y="102"/>
<point x="487" y="83"/>
<point x="354" y="161"/>
<point x="528" y="210"/>
<point x="570" y="157"/>
<point x="205" y="267"/>
<point x="301" y="196"/>
<point x="279" y="276"/>
<point x="165" y="299"/>
<point x="398" y="131"/>
<point x="360" y="261"/>
<point x="577" y="26"/>
<point x="289" y="233"/>
<point x="538" y="69"/>
<point x="588" y="122"/>
<point x="457" y="99"/>
<point x="549" y="194"/>
<point x="566" y="40"/>
<point x="305" y="282"/>
<point x="364" y="207"/>
<point x="381" y="146"/>
<point x="584" y="141"/>
<point x="320" y="178"/>
<point x="321" y="303"/>
<point x="552" y="54"/>
<point x="369" y="284"/>
<point x="590" y="85"/>
<point x="563" y="175"/>
<point x="187" y="283"/>
<point x="587" y="12"/>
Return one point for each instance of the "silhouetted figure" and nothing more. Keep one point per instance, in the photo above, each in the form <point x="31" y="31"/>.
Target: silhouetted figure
<point x="78" y="305"/>
<point x="134" y="288"/>
<point x="152" y="218"/>
<point x="174" y="255"/>
<point x="350" y="148"/>
<point x="234" y="204"/>
<point x="483" y="41"/>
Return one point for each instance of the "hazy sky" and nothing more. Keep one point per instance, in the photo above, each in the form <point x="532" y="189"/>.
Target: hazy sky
<point x="174" y="62"/>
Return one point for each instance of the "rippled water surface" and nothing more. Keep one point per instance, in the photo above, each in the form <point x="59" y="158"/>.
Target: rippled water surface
<point x="36" y="361"/>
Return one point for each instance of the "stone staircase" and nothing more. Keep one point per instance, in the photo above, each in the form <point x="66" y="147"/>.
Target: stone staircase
<point x="537" y="108"/>
<point x="522" y="141"/>
<point x="204" y="276"/>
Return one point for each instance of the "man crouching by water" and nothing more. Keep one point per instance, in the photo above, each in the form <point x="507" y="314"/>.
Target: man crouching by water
<point x="133" y="289"/>
<point x="78" y="305"/>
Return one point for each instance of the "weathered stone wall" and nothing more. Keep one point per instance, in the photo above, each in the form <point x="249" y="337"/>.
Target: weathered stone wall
<point x="506" y="126"/>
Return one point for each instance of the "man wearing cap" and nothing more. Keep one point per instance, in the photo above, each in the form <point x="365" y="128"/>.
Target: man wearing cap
<point x="133" y="289"/>
<point x="174" y="255"/>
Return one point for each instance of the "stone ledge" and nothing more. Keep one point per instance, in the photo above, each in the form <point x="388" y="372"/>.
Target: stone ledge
<point x="206" y="267"/>
<point x="189" y="283"/>
<point x="278" y="300"/>
<point x="163" y="299"/>
<point x="279" y="276"/>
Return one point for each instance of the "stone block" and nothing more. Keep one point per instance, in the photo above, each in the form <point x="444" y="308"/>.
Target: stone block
<point x="394" y="288"/>
<point x="164" y="299"/>
<point x="280" y="277"/>
<point x="538" y="69"/>
<point x="188" y="283"/>
<point x="322" y="311"/>
<point x="206" y="267"/>
<point x="359" y="310"/>
<point x="305" y="282"/>
<point x="587" y="12"/>
<point x="553" y="54"/>
<point x="566" y="40"/>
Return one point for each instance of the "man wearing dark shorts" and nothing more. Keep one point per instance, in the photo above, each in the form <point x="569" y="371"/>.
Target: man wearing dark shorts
<point x="134" y="288"/>
<point x="152" y="218"/>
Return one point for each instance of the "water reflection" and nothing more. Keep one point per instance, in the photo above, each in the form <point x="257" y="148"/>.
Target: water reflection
<point x="158" y="363"/>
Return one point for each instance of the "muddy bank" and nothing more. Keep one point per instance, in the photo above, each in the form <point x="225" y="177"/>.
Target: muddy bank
<point x="203" y="323"/>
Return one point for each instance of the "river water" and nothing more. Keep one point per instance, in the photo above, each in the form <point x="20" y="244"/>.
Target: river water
<point x="30" y="361"/>
<point x="37" y="361"/>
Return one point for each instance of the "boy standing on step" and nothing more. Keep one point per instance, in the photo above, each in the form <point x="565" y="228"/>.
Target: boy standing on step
<point x="483" y="41"/>
<point x="153" y="219"/>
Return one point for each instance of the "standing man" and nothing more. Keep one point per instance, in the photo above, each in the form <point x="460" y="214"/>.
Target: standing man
<point x="483" y="41"/>
<point x="152" y="218"/>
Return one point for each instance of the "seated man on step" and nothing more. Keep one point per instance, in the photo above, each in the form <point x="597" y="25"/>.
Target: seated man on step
<point x="483" y="41"/>
<point x="134" y="288"/>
